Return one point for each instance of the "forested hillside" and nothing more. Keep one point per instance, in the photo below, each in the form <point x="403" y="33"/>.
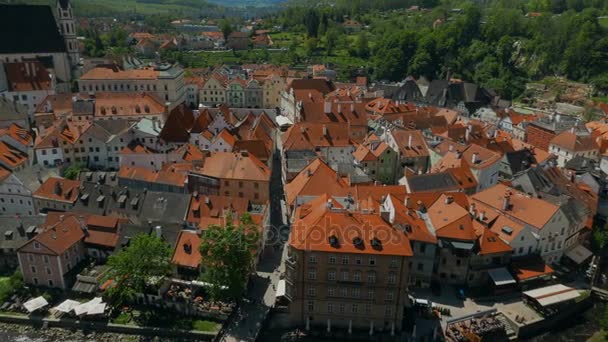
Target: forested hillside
<point x="501" y="45"/>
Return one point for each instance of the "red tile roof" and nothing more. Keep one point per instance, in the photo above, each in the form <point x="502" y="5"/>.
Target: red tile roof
<point x="187" y="252"/>
<point x="317" y="224"/>
<point x="230" y="165"/>
<point x="58" y="189"/>
<point x="575" y="142"/>
<point x="530" y="268"/>
<point x="314" y="180"/>
<point x="61" y="236"/>
<point x="28" y="76"/>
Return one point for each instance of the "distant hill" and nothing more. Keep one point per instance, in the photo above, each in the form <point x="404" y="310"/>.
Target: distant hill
<point x="247" y="3"/>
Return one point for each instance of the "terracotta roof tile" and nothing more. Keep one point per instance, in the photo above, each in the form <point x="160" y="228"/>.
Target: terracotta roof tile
<point x="58" y="189"/>
<point x="317" y="178"/>
<point x="61" y="236"/>
<point x="523" y="208"/>
<point x="318" y="227"/>
<point x="187" y="252"/>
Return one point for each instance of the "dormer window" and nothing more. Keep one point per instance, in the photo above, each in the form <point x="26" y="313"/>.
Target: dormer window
<point x="36" y="245"/>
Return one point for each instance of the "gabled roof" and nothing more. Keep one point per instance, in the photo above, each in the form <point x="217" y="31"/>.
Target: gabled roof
<point x="229" y="165"/>
<point x="202" y="121"/>
<point x="418" y="146"/>
<point x="575" y="142"/>
<point x="58" y="189"/>
<point x="207" y="210"/>
<point x="10" y="156"/>
<point x="314" y="180"/>
<point x="410" y="223"/>
<point x="451" y="220"/>
<point x="18" y="133"/>
<point x="532" y="211"/>
<point x="326" y="216"/>
<point x="187" y="252"/>
<point x="178" y="124"/>
<point x="308" y="136"/>
<point x="61" y="236"/>
<point x="474" y="156"/>
<point x="488" y="242"/>
<point x="28" y="76"/>
<point x="61" y="131"/>
<point x="227" y="137"/>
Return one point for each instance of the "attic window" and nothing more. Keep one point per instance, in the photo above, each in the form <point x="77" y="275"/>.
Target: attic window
<point x="358" y="242"/>
<point x="408" y="228"/>
<point x="507" y="230"/>
<point x="100" y="200"/>
<point x="376" y="243"/>
<point x="8" y="235"/>
<point x="333" y="241"/>
<point x="134" y="202"/>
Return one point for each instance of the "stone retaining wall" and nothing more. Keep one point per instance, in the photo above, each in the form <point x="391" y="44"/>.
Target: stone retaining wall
<point x="107" y="327"/>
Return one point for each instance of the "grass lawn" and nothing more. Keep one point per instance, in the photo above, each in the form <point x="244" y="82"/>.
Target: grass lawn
<point x="599" y="336"/>
<point x="202" y="325"/>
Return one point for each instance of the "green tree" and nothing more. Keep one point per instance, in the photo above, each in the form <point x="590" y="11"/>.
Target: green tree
<point x="136" y="268"/>
<point x="311" y="21"/>
<point x="227" y="256"/>
<point x="73" y="170"/>
<point x="362" y="46"/>
<point x="331" y="39"/>
<point x="226" y="28"/>
<point x="310" y="45"/>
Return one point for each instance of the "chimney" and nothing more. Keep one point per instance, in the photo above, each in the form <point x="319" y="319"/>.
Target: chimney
<point x="327" y="107"/>
<point x="407" y="201"/>
<point x="58" y="189"/>
<point x="458" y="154"/>
<point x="421" y="207"/>
<point x="324" y="130"/>
<point x="340" y="108"/>
<point x="330" y="203"/>
<point x="467" y="134"/>
<point x="449" y="199"/>
<point x="451" y="148"/>
<point x="573" y="130"/>
<point x="409" y="141"/>
<point x="27" y="69"/>
<point x="472" y="210"/>
<point x="352" y="107"/>
<point x="507" y="201"/>
<point x="482" y="215"/>
<point x="475" y="158"/>
<point x="302" y="129"/>
<point x="159" y="231"/>
<point x="207" y="200"/>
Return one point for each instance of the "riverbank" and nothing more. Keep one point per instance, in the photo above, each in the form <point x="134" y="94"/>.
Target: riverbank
<point x="27" y="333"/>
<point x="24" y="333"/>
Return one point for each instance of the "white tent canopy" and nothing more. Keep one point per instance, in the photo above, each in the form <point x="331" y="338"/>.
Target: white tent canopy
<point x="501" y="276"/>
<point x="97" y="309"/>
<point x="67" y="306"/>
<point x="88" y="307"/>
<point x="35" y="304"/>
<point x="281" y="288"/>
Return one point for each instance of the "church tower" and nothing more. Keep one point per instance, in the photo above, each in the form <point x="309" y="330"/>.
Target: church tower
<point x="67" y="27"/>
